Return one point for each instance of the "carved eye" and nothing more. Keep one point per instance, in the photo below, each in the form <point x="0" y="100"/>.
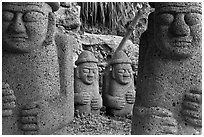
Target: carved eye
<point x="165" y="18"/>
<point x="86" y="70"/>
<point x="7" y="16"/>
<point x="94" y="71"/>
<point x="193" y="18"/>
<point x="33" y="16"/>
<point x="121" y="71"/>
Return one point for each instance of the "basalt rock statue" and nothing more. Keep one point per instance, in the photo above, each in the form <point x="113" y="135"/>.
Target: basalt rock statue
<point x="38" y="92"/>
<point x="86" y="87"/>
<point x="118" y="90"/>
<point x="169" y="94"/>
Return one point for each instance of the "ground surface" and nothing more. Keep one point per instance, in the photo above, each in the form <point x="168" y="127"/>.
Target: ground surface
<point x="97" y="125"/>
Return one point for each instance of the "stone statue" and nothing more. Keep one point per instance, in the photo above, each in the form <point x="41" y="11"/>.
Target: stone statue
<point x="118" y="90"/>
<point x="86" y="87"/>
<point x="37" y="74"/>
<point x="169" y="94"/>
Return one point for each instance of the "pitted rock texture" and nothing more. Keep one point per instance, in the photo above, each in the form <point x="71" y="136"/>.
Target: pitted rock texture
<point x="37" y="67"/>
<point x="68" y="16"/>
<point x="169" y="94"/>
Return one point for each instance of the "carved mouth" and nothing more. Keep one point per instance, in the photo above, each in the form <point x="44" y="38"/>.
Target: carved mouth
<point x="126" y="78"/>
<point x="18" y="38"/>
<point x="181" y="44"/>
<point x="90" y="79"/>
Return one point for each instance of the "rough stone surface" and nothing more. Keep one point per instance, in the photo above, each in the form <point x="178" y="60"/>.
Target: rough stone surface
<point x="86" y="88"/>
<point x="37" y="74"/>
<point x="169" y="94"/>
<point x="68" y="16"/>
<point x="66" y="4"/>
<point x="118" y="86"/>
<point x="95" y="124"/>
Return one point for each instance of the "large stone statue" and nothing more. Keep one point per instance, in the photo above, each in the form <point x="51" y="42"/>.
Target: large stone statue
<point x="169" y="94"/>
<point x="37" y="70"/>
<point x="118" y="90"/>
<point x="86" y="84"/>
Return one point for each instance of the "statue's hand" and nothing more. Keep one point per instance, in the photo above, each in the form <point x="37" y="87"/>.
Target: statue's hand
<point x="29" y="119"/>
<point x="192" y="108"/>
<point x="8" y="100"/>
<point x="120" y="101"/>
<point x="85" y="98"/>
<point x="130" y="97"/>
<point x="158" y="120"/>
<point x="96" y="103"/>
<point x="167" y="123"/>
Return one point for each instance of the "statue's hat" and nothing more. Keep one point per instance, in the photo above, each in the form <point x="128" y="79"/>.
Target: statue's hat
<point x="164" y="5"/>
<point x="86" y="56"/>
<point x="54" y="5"/>
<point x="157" y="5"/>
<point x="119" y="58"/>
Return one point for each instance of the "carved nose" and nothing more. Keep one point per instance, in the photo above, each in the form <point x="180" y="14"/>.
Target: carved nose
<point x="179" y="27"/>
<point x="18" y="24"/>
<point x="91" y="74"/>
<point x="126" y="74"/>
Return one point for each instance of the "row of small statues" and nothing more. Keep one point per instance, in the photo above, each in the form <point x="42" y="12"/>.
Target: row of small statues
<point x="118" y="91"/>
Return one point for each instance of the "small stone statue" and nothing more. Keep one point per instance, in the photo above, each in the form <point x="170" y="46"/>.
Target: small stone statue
<point x="118" y="90"/>
<point x="86" y="87"/>
<point x="37" y="91"/>
<point x="169" y="94"/>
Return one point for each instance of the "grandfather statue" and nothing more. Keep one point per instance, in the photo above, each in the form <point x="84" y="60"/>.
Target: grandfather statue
<point x="37" y="76"/>
<point x="169" y="94"/>
<point x="118" y="90"/>
<point x="86" y="85"/>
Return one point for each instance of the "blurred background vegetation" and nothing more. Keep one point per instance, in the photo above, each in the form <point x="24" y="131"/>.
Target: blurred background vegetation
<point x="110" y="17"/>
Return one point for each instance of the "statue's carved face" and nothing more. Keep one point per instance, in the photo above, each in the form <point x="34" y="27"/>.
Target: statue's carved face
<point x="122" y="73"/>
<point x="24" y="25"/>
<point x="88" y="72"/>
<point x="178" y="30"/>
